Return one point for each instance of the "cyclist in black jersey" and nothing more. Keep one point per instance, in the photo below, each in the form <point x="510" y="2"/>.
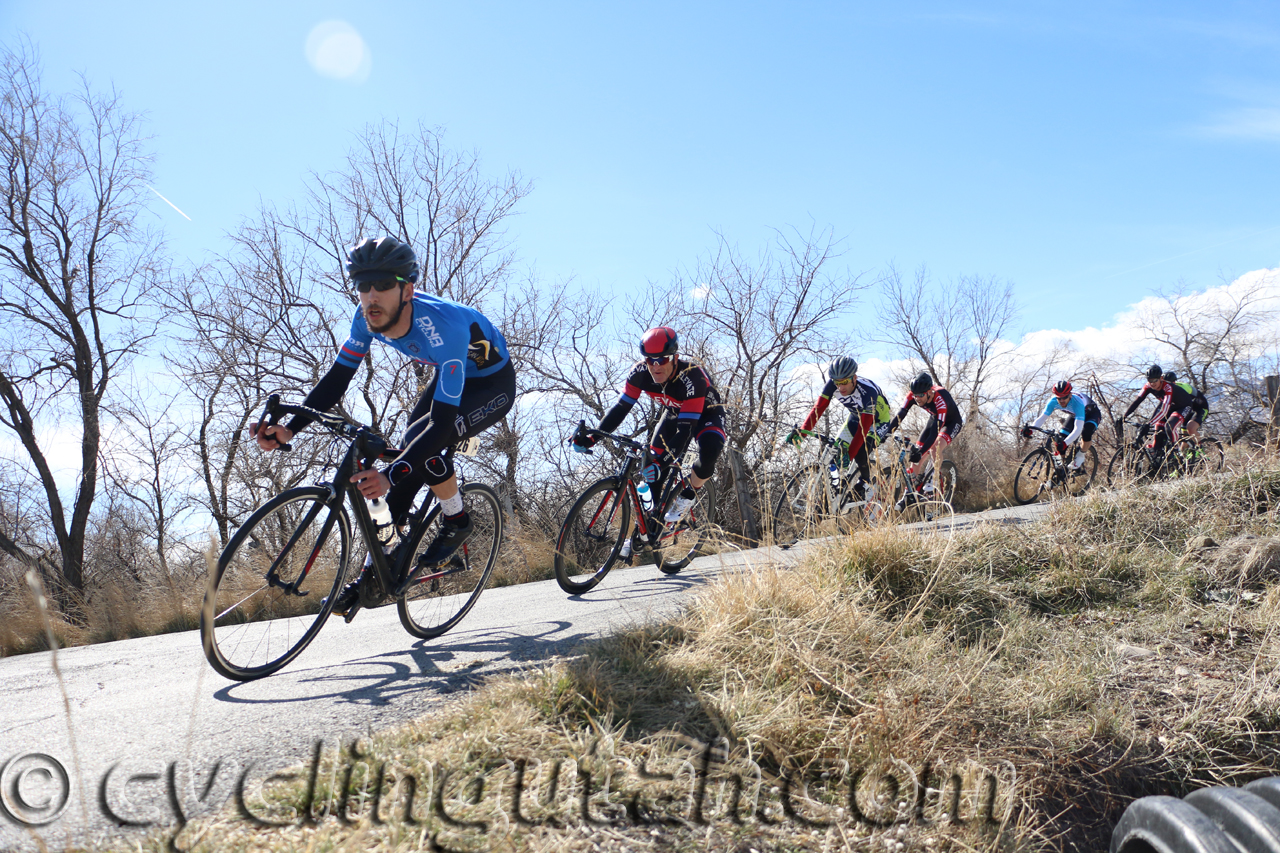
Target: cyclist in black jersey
<point x="945" y="419"/>
<point x="686" y="390"/>
<point x="473" y="388"/>
<point x="1199" y="405"/>
<point x="1174" y="405"/>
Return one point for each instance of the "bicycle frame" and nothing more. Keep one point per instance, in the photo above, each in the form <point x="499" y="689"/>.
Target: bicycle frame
<point x="636" y="455"/>
<point x="364" y="449"/>
<point x="827" y="455"/>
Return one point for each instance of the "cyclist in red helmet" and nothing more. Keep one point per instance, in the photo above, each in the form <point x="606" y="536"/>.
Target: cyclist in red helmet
<point x="1083" y="418"/>
<point x="686" y="390"/>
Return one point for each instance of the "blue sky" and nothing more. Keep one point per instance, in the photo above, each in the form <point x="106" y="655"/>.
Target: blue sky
<point x="1088" y="152"/>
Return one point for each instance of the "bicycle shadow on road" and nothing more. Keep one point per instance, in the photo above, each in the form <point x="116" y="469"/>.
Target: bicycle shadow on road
<point x="380" y="680"/>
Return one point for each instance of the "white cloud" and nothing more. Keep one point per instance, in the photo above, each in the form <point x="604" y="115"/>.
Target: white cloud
<point x="702" y="291"/>
<point x="1246" y="123"/>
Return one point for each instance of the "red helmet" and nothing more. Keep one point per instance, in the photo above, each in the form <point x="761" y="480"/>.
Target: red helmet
<point x="659" y="341"/>
<point x="1062" y="389"/>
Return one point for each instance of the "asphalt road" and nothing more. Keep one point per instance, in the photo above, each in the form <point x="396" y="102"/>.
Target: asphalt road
<point x="136" y="731"/>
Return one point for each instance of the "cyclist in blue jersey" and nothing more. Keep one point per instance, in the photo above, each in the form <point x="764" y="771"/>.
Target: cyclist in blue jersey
<point x="473" y="388"/>
<point x="1083" y="418"/>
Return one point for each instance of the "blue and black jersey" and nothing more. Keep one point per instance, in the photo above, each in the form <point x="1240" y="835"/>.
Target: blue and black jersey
<point x="458" y="341"/>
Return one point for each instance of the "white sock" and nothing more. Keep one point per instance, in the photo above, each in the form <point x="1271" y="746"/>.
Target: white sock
<point x="453" y="505"/>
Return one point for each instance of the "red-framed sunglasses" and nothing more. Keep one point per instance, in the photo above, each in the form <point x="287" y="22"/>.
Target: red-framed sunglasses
<point x="658" y="360"/>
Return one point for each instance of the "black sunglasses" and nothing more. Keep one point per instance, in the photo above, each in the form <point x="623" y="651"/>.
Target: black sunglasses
<point x="382" y="285"/>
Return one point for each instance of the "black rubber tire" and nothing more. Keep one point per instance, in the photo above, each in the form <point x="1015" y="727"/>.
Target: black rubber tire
<point x="1120" y="470"/>
<point x="1034" y="477"/>
<point x="432" y="605"/>
<point x="1080" y="479"/>
<point x="801" y="507"/>
<point x="687" y="539"/>
<point x="250" y="629"/>
<point x="950" y="475"/>
<point x="591" y="536"/>
<point x="1205" y="457"/>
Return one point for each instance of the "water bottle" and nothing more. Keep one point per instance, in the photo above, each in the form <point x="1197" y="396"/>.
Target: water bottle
<point x="646" y="496"/>
<point x="381" y="514"/>
<point x="835" y="476"/>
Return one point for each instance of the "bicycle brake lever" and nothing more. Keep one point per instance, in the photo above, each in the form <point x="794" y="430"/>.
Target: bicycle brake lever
<point x="269" y="418"/>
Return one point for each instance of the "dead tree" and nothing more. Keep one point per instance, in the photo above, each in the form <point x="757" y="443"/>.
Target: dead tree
<point x="74" y="261"/>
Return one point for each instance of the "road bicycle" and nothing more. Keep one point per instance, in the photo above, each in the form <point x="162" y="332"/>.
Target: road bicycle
<point x="591" y="539"/>
<point x="915" y="496"/>
<point x="276" y="580"/>
<point x="1045" y="471"/>
<point x="1145" y="457"/>
<point x="1201" y="454"/>
<point x="823" y="495"/>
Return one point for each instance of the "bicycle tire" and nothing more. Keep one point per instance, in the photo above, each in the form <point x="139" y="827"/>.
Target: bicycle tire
<point x="1120" y="468"/>
<point x="591" y="535"/>
<point x="432" y="604"/>
<point x="1215" y="457"/>
<point x="1080" y="479"/>
<point x="949" y="476"/>
<point x="250" y="628"/>
<point x="801" y="506"/>
<point x="925" y="511"/>
<point x="1034" y="477"/>
<point x="678" y="546"/>
<point x="1204" y="457"/>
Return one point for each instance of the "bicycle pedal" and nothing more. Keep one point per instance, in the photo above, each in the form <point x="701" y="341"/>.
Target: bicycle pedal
<point x="351" y="612"/>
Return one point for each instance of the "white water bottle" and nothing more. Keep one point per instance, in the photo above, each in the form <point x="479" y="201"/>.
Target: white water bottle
<point x="835" y="475"/>
<point x="646" y="496"/>
<point x="381" y="514"/>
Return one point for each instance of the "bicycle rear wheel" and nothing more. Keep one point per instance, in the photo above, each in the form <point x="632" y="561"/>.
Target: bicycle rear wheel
<point x="439" y="596"/>
<point x="1034" y="477"/>
<point x="591" y="535"/>
<point x="1204" y="457"/>
<point x="682" y="541"/>
<point x="949" y="475"/>
<point x="1080" y="479"/>
<point x="274" y="584"/>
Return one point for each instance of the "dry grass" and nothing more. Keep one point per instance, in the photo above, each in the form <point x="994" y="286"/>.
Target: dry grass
<point x="1073" y="665"/>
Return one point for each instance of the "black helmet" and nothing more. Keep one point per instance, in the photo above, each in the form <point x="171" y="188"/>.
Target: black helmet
<point x="659" y="341"/>
<point x="921" y="384"/>
<point x="841" y="368"/>
<point x="1170" y="376"/>
<point x="1153" y="372"/>
<point x="1062" y="389"/>
<point x="378" y="259"/>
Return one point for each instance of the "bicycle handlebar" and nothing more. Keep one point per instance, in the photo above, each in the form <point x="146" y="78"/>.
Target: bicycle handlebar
<point x="337" y="424"/>
<point x="583" y="429"/>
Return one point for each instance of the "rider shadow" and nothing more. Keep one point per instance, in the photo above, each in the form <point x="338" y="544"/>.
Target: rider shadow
<point x="379" y="680"/>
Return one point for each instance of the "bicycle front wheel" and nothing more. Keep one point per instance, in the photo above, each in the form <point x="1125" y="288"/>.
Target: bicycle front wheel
<point x="439" y="596"/>
<point x="274" y="584"/>
<point x="683" y="540"/>
<point x="1120" y="470"/>
<point x="592" y="535"/>
<point x="801" y="507"/>
<point x="1034" y="477"/>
